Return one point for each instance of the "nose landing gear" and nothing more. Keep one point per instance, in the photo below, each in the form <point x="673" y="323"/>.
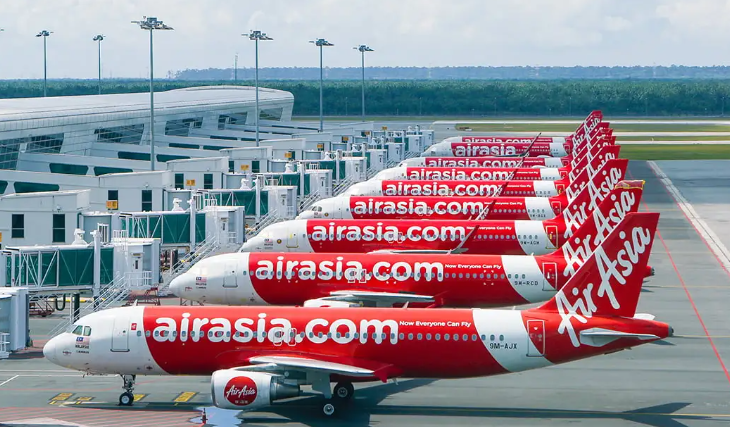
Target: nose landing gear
<point x="127" y="398"/>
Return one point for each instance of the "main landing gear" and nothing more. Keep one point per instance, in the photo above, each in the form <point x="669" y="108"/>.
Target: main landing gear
<point x="341" y="395"/>
<point x="127" y="398"/>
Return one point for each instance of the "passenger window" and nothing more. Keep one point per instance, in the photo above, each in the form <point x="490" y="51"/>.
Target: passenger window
<point x="139" y="333"/>
<point x="410" y="336"/>
<point x="147" y="333"/>
<point x="456" y="337"/>
<point x="447" y="337"/>
<point x="87" y="331"/>
<point x="420" y="337"/>
<point x="438" y="337"/>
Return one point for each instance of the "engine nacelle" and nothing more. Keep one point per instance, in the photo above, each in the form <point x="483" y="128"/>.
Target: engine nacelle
<point x="245" y="391"/>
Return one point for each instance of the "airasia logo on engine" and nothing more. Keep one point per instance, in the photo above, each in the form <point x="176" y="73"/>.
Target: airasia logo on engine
<point x="241" y="391"/>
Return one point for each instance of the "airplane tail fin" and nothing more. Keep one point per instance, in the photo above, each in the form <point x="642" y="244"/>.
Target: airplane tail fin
<point x="595" y="115"/>
<point x="601" y="182"/>
<point x="609" y="282"/>
<point x="606" y="214"/>
<point x="594" y="159"/>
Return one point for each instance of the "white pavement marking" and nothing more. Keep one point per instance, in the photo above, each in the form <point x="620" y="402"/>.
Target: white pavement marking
<point x="709" y="236"/>
<point x="7" y="381"/>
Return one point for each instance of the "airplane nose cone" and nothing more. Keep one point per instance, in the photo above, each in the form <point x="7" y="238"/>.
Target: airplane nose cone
<point x="670" y="332"/>
<point x="49" y="350"/>
<point x="306" y="215"/>
<point x="177" y="286"/>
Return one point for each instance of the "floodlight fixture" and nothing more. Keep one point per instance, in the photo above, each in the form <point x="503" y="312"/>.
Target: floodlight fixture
<point x="257" y="35"/>
<point x="320" y="43"/>
<point x="363" y="48"/>
<point x="150" y="23"/>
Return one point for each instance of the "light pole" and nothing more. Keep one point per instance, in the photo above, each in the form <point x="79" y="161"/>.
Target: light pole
<point x="149" y="24"/>
<point x="363" y="48"/>
<point x="98" y="38"/>
<point x="44" y="34"/>
<point x="257" y="35"/>
<point x="320" y="43"/>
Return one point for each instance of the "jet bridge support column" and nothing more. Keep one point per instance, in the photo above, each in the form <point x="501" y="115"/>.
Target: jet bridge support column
<point x="258" y="184"/>
<point x="192" y="221"/>
<point x="302" y="177"/>
<point x="96" y="288"/>
<point x="75" y="307"/>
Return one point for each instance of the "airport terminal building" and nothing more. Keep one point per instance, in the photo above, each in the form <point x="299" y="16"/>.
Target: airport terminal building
<point x="111" y="133"/>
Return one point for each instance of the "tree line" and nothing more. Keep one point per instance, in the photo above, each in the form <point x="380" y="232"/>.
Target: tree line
<point x="451" y="98"/>
<point x="460" y="73"/>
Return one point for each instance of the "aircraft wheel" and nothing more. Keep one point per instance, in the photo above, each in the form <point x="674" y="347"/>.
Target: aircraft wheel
<point x="343" y="391"/>
<point x="328" y="408"/>
<point x="126" y="399"/>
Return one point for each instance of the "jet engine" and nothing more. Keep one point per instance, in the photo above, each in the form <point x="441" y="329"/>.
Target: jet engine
<point x="233" y="389"/>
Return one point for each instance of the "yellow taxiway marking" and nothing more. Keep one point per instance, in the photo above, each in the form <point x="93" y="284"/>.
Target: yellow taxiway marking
<point x="185" y="396"/>
<point x="138" y="397"/>
<point x="61" y="396"/>
<point x="83" y="399"/>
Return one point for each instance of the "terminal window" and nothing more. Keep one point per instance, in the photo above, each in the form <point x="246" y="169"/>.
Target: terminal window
<point x="121" y="134"/>
<point x="18" y="226"/>
<point x="59" y="228"/>
<point x="271" y="114"/>
<point x="112" y="195"/>
<point x="208" y="181"/>
<point x="179" y="181"/>
<point x="146" y="200"/>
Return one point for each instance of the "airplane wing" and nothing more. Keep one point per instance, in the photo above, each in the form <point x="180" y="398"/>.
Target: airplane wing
<point x="369" y="298"/>
<point x="459" y="249"/>
<point x="280" y="363"/>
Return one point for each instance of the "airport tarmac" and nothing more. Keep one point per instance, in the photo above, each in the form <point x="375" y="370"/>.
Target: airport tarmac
<point x="681" y="383"/>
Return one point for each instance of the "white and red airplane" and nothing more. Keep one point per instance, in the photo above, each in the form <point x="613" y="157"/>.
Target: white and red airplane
<point x="257" y="355"/>
<point x="385" y="278"/>
<point x="589" y="122"/>
<point x="502" y="237"/>
<point x="488" y="162"/>
<point x="568" y="165"/>
<point x="471" y="173"/>
<point x="583" y="199"/>
<point x="460" y="188"/>
<point x="515" y="146"/>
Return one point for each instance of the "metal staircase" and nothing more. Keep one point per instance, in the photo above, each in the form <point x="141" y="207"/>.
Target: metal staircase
<point x="342" y="186"/>
<point x="111" y="294"/>
<point x="206" y="248"/>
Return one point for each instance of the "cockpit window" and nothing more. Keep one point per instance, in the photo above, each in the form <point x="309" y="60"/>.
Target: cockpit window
<point x="87" y="331"/>
<point x="77" y="330"/>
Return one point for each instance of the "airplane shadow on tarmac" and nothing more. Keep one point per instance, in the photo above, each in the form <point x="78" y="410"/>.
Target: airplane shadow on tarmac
<point x="307" y="410"/>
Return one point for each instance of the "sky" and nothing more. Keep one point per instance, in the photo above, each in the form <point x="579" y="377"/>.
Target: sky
<point x="423" y="33"/>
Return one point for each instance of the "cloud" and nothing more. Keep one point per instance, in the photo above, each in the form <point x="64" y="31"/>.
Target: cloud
<point x="403" y="33"/>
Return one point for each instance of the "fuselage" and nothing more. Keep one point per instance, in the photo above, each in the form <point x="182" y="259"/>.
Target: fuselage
<point x="285" y="278"/>
<point x="482" y="149"/>
<point x="435" y="207"/>
<point x="445" y="343"/>
<point x="457" y="188"/>
<point x="488" y="162"/>
<point x="505" y="237"/>
<point x="472" y="173"/>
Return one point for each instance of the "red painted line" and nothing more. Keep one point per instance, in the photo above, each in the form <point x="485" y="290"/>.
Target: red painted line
<point x="684" y="285"/>
<point x="691" y="223"/>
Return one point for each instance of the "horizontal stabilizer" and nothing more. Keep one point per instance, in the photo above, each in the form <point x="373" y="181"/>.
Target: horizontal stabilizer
<point x="598" y="337"/>
<point x="644" y="316"/>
